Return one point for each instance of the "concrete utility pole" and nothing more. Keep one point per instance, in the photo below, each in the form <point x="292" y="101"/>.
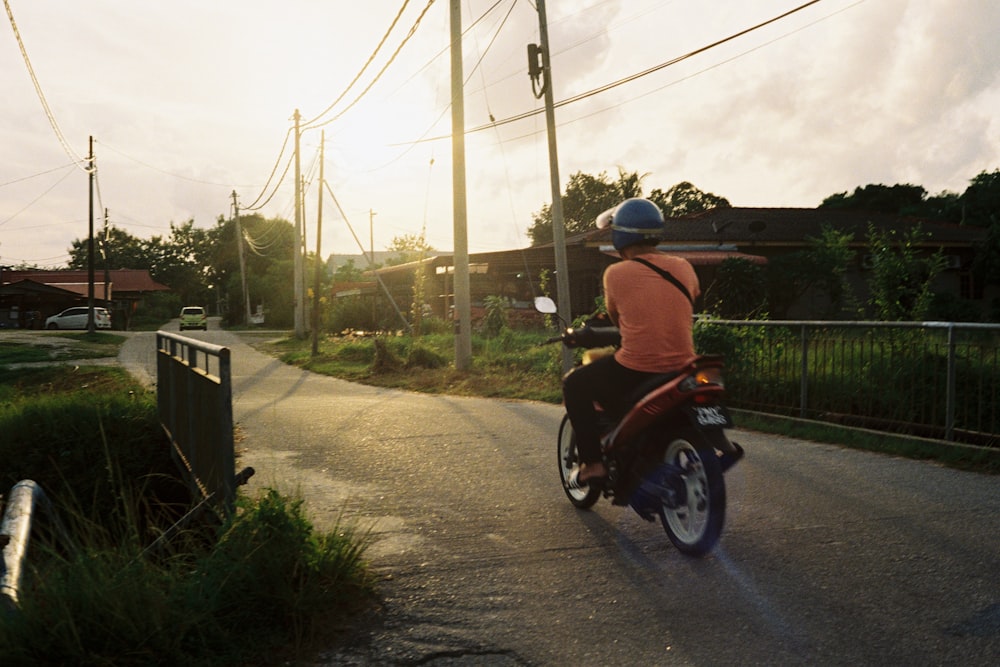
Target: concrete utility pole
<point x="90" y="241"/>
<point x="460" y="259"/>
<point x="243" y="265"/>
<point x="104" y="255"/>
<point x="319" y="246"/>
<point x="371" y="265"/>
<point x="300" y="319"/>
<point x="558" y="224"/>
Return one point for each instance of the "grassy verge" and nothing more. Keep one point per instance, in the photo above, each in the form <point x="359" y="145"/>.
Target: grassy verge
<point x="59" y="347"/>
<point x="511" y="365"/>
<point x="260" y="588"/>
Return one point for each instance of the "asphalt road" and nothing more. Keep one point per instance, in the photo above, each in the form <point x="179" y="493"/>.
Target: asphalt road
<point x="829" y="557"/>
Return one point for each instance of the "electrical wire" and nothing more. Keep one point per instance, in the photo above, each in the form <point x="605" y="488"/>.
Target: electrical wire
<point x="77" y="160"/>
<point x="371" y="58"/>
<point x="378" y="76"/>
<point x="41" y="173"/>
<point x="47" y="191"/>
<point x="614" y="84"/>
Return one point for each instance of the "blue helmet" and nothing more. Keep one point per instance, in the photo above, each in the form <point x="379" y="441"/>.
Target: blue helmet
<point x="633" y="221"/>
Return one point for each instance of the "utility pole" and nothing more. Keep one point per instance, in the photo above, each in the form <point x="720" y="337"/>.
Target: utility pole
<point x="90" y="241"/>
<point x="300" y="322"/>
<point x="371" y="265"/>
<point x="104" y="255"/>
<point x="319" y="257"/>
<point x="558" y="224"/>
<point x="460" y="258"/>
<point x="243" y="266"/>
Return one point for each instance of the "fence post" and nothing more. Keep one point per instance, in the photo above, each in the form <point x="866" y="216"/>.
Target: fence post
<point x="804" y="382"/>
<point x="949" y="417"/>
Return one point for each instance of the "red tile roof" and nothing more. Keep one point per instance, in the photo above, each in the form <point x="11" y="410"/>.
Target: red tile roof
<point x="122" y="280"/>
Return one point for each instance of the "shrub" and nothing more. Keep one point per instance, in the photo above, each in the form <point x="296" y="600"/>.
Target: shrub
<point x="421" y="356"/>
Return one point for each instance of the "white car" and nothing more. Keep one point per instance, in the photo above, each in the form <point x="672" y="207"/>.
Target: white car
<point x="76" y="318"/>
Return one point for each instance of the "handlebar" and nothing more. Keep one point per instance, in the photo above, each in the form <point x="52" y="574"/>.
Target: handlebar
<point x="588" y="337"/>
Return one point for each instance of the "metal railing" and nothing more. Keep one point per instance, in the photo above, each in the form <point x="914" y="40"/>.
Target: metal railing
<point x="194" y="400"/>
<point x="934" y="379"/>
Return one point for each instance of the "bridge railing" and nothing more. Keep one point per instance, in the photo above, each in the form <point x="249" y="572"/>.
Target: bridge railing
<point x="194" y="400"/>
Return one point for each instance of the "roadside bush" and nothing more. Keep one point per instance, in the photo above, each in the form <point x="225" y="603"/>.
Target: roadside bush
<point x="421" y="356"/>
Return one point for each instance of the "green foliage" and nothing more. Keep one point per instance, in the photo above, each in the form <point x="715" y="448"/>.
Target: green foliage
<point x="820" y="269"/>
<point x="878" y="198"/>
<point x="408" y="248"/>
<point x="901" y="279"/>
<point x="739" y="290"/>
<point x="54" y="421"/>
<point x="495" y="319"/>
<point x="386" y="359"/>
<point x="351" y="313"/>
<point x="348" y="273"/>
<point x="980" y="203"/>
<point x="422" y="356"/>
<point x="264" y="589"/>
<point x="685" y="199"/>
<point x="584" y="198"/>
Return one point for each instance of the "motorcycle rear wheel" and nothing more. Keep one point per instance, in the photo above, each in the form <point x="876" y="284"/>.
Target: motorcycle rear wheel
<point x="695" y="526"/>
<point x="582" y="498"/>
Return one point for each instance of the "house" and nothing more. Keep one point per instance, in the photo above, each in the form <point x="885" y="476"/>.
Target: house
<point x="773" y="232"/>
<point x="757" y="235"/>
<point x="27" y="297"/>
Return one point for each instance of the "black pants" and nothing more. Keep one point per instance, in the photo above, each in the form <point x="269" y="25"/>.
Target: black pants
<point x="605" y="382"/>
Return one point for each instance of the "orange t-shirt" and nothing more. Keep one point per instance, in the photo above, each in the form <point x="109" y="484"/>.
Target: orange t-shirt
<point x="654" y="316"/>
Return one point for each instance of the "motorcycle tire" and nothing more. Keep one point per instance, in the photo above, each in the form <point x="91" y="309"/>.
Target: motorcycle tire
<point x="694" y="527"/>
<point x="581" y="498"/>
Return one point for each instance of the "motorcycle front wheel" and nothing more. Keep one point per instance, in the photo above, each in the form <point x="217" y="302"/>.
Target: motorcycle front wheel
<point x="695" y="524"/>
<point x="568" y="459"/>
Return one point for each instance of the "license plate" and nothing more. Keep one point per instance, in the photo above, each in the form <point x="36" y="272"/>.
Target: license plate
<point x="710" y="416"/>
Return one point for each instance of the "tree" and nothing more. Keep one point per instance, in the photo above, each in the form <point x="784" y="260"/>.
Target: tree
<point x="896" y="199"/>
<point x="900" y="283"/>
<point x="347" y="272"/>
<point x="585" y="198"/>
<point x="821" y="267"/>
<point x="739" y="290"/>
<point x="685" y="199"/>
<point x="980" y="203"/>
<point x="408" y="248"/>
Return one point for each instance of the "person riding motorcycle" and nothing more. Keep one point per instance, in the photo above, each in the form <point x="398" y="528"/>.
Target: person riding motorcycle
<point x="649" y="296"/>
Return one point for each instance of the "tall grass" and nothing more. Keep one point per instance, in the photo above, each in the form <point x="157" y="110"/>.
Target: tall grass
<point x="261" y="587"/>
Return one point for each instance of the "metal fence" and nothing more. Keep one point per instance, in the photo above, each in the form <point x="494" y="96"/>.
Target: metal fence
<point x="194" y="399"/>
<point x="933" y="379"/>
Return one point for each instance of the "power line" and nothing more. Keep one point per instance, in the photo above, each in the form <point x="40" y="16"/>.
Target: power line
<point x="378" y="76"/>
<point x="614" y="84"/>
<point x="77" y="160"/>
<point x="371" y="58"/>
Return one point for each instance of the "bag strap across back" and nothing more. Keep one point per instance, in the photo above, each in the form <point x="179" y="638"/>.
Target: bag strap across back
<point x="668" y="277"/>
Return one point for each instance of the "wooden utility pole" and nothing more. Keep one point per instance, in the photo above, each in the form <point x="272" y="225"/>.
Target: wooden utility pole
<point x="319" y="246"/>
<point x="460" y="258"/>
<point x="90" y="241"/>
<point x="300" y="320"/>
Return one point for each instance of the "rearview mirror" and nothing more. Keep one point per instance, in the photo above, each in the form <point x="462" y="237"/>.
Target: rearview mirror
<point x="544" y="304"/>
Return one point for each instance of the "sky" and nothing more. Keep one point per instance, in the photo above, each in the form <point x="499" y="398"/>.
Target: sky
<point x="189" y="101"/>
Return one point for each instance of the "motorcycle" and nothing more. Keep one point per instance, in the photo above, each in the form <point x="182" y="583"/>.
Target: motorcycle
<point x="664" y="447"/>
